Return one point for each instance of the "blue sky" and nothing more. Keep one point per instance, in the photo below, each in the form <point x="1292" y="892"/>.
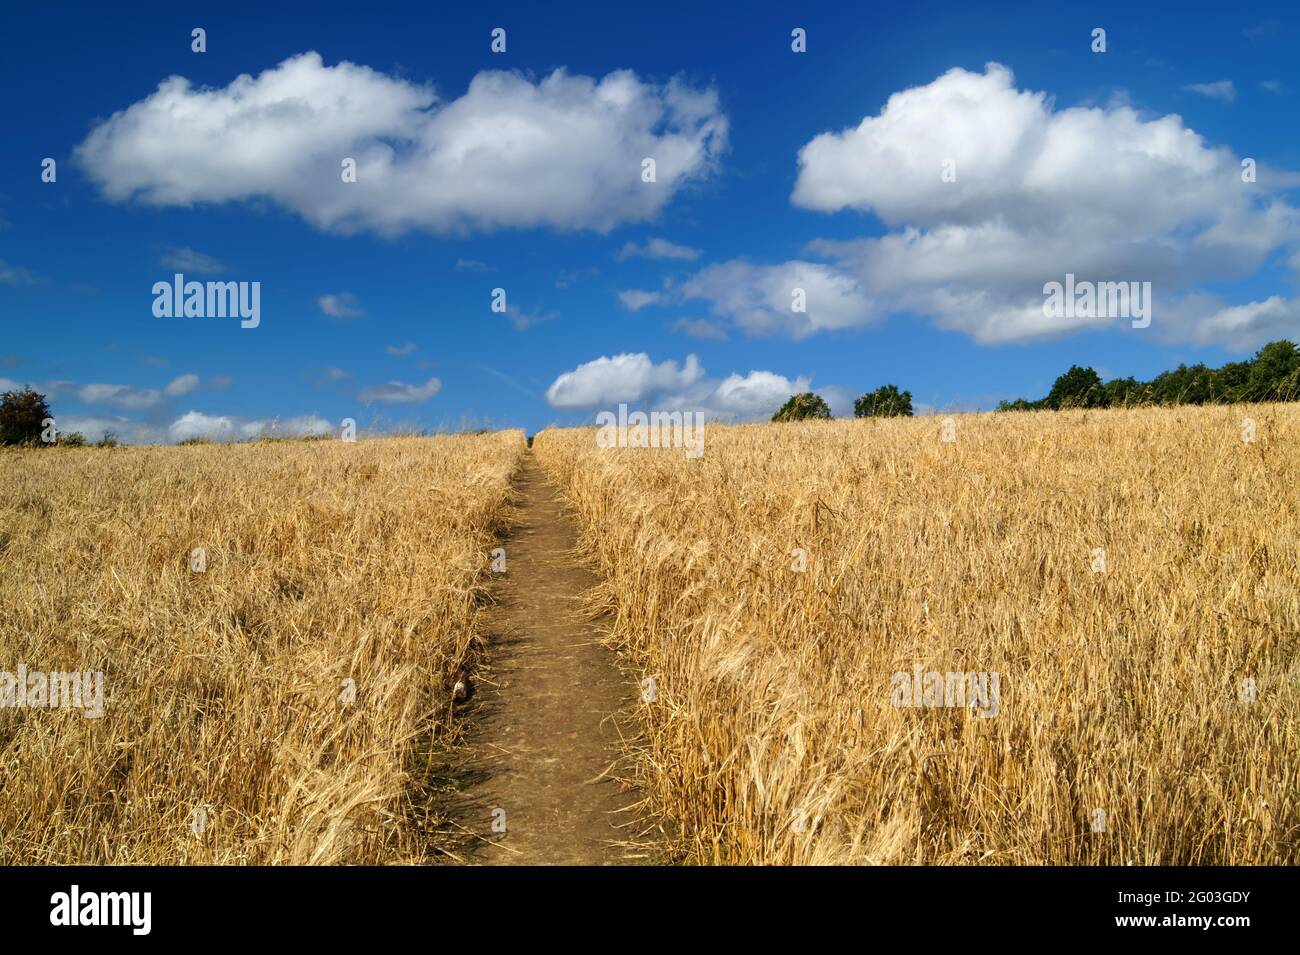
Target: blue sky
<point x="1123" y="169"/>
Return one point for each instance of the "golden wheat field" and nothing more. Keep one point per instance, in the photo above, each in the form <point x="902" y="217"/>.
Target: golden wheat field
<point x="273" y="706"/>
<point x="1115" y="592"/>
<point x="1129" y="577"/>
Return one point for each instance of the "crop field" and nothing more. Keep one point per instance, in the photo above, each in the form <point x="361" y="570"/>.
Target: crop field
<point x="274" y="631"/>
<point x="1018" y="638"/>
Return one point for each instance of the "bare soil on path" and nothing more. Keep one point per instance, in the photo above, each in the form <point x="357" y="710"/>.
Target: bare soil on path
<point x="545" y="719"/>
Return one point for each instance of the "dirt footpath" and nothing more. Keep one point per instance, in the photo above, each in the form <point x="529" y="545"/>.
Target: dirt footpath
<point x="544" y="731"/>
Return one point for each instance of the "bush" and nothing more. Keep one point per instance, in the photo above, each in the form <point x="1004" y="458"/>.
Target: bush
<point x="22" y="417"/>
<point x="803" y="407"/>
<point x="885" y="402"/>
<point x="1020" y="404"/>
<point x="72" y="439"/>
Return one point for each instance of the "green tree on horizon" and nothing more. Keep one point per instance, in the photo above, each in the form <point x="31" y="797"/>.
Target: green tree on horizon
<point x="885" y="402"/>
<point x="22" y="416"/>
<point x="802" y="407"/>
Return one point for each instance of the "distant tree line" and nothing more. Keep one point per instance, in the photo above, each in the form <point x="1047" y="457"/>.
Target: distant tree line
<point x="1272" y="375"/>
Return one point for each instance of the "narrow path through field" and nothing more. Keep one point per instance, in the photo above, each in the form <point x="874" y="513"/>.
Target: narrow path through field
<point x="544" y="730"/>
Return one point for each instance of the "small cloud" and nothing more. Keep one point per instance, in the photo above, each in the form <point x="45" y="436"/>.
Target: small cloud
<point x="196" y="424"/>
<point x="636" y="299"/>
<point x="400" y="351"/>
<point x="700" y="328"/>
<point x="1223" y="90"/>
<point x="220" y="381"/>
<point x="334" y="375"/>
<point x="343" y="305"/>
<point x="96" y="427"/>
<point x="120" y="396"/>
<point x="400" y="393"/>
<point x="522" y="321"/>
<point x="184" y="259"/>
<point x="181" y="385"/>
<point x="658" y="249"/>
<point x="1262" y="30"/>
<point x="472" y="265"/>
<point x="10" y="361"/>
<point x="154" y="361"/>
<point x="1273" y="86"/>
<point x="301" y="426"/>
<point x="574" y="276"/>
<point x="17" y="275"/>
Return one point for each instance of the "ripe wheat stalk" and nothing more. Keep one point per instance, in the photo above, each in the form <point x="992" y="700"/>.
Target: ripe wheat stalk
<point x="278" y="707"/>
<point x="1161" y="690"/>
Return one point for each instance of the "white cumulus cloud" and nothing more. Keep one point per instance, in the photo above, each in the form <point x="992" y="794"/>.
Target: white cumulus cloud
<point x="757" y="395"/>
<point x="626" y="377"/>
<point x="1105" y="193"/>
<point x="635" y="379"/>
<point x="97" y="427"/>
<point x="196" y="424"/>
<point x="565" y="151"/>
